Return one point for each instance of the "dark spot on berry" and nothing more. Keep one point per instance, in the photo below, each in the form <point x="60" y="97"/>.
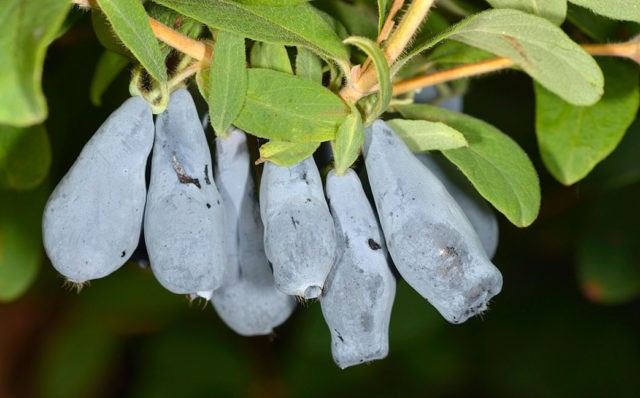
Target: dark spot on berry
<point x="124" y="253"/>
<point x="374" y="245"/>
<point x="450" y="251"/>
<point x="208" y="205"/>
<point x="206" y="174"/>
<point x="295" y="222"/>
<point x="182" y="175"/>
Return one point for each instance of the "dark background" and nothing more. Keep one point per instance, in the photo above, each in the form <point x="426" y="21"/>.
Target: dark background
<point x="544" y="335"/>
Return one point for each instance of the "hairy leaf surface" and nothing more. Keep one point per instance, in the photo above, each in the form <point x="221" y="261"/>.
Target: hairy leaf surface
<point x="281" y="106"/>
<point x="495" y="164"/>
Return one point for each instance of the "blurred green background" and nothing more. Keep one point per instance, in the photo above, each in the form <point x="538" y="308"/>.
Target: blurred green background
<point x="567" y="323"/>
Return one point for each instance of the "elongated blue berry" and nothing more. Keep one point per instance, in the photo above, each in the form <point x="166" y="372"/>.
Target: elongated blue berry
<point x="248" y="301"/>
<point x="92" y="221"/>
<point x="474" y="206"/>
<point x="431" y="241"/>
<point x="184" y="226"/>
<point x="358" y="295"/>
<point x="299" y="237"/>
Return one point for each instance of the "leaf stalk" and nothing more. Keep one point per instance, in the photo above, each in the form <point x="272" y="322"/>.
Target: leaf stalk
<point x="367" y="82"/>
<point x="193" y="48"/>
<point x="629" y="50"/>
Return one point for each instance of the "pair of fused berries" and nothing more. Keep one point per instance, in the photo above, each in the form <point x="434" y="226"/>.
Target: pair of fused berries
<point x="192" y="230"/>
<point x="215" y="245"/>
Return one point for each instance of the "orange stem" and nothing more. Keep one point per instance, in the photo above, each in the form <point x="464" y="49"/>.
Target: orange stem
<point x="627" y="50"/>
<point x="193" y="48"/>
<point x="478" y="68"/>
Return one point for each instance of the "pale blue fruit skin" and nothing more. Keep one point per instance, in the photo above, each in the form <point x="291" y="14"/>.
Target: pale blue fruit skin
<point x="248" y="300"/>
<point x="482" y="217"/>
<point x="299" y="236"/>
<point x="184" y="226"/>
<point x="479" y="213"/>
<point x="92" y="220"/>
<point x="358" y="295"/>
<point x="431" y="241"/>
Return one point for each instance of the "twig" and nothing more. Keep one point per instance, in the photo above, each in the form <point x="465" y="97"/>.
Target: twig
<point x="184" y="74"/>
<point x="387" y="27"/>
<point x="193" y="48"/>
<point x="478" y="68"/>
<point x="367" y="81"/>
<point x="629" y="50"/>
<point x="406" y="29"/>
<point x="389" y="23"/>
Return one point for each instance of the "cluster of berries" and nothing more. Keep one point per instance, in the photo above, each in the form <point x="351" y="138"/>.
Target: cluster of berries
<point x="208" y="235"/>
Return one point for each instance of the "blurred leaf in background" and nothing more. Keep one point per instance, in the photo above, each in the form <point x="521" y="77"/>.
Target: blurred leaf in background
<point x="23" y="43"/>
<point x="25" y="157"/>
<point x="20" y="240"/>
<point x="609" y="249"/>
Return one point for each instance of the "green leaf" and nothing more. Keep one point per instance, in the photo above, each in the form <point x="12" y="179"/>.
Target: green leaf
<point x="540" y="48"/>
<point x="619" y="169"/>
<point x="275" y="3"/>
<point x="308" y="65"/>
<point x="227" y="86"/>
<point x="455" y="52"/>
<point x="285" y="153"/>
<point x="553" y="10"/>
<point x="25" y="157"/>
<point x="599" y="28"/>
<point x="281" y="106"/>
<point x="348" y="141"/>
<point x="336" y="77"/>
<point x="422" y="135"/>
<point x="104" y="33"/>
<point x="130" y="22"/>
<point x="203" y="82"/>
<point x="496" y="166"/>
<point x="270" y="56"/>
<point x="20" y="240"/>
<point x="625" y="10"/>
<point x="109" y="67"/>
<point x="573" y="139"/>
<point x="350" y="19"/>
<point x="383" y="9"/>
<point x="385" y="90"/>
<point x="26" y="29"/>
<point x="536" y="45"/>
<point x="299" y="25"/>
